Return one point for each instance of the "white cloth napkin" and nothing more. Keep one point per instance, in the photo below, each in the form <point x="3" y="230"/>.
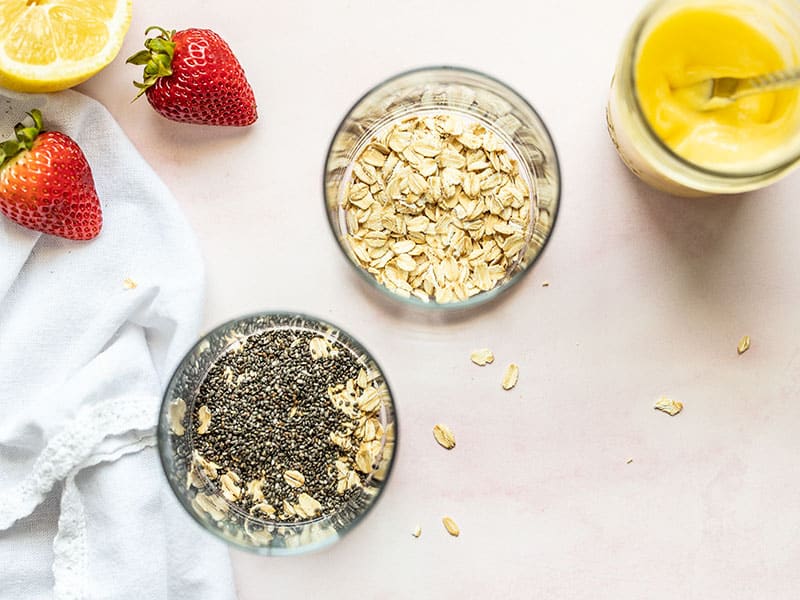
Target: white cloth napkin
<point x="85" y="511"/>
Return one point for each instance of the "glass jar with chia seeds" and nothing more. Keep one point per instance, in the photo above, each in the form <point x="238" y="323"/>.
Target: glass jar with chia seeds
<point x="442" y="187"/>
<point x="663" y="164"/>
<point x="277" y="433"/>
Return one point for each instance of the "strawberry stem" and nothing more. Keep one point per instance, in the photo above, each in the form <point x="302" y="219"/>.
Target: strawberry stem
<point x="24" y="137"/>
<point x="156" y="58"/>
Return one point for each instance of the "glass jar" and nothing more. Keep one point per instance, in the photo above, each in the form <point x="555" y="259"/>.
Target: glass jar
<point x="640" y="148"/>
<point x="197" y="487"/>
<point x="475" y="97"/>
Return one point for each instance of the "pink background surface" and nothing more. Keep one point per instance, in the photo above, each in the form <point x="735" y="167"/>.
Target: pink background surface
<point x="649" y="295"/>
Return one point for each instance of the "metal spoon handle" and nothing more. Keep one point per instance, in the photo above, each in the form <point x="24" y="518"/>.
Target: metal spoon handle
<point x="769" y="81"/>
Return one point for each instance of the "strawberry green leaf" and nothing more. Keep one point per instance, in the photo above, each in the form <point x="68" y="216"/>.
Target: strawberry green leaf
<point x="140" y="58"/>
<point x="24" y="136"/>
<point x="157" y="58"/>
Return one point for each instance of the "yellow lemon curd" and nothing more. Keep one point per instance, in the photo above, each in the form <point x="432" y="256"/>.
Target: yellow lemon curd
<point x="694" y="44"/>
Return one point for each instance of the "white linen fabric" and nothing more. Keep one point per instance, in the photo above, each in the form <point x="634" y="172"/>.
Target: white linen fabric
<point x="85" y="511"/>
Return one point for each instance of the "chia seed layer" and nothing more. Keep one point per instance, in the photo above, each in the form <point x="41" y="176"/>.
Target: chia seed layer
<point x="271" y="413"/>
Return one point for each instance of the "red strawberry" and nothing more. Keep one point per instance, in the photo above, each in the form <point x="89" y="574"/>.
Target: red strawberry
<point x="192" y="76"/>
<point x="47" y="185"/>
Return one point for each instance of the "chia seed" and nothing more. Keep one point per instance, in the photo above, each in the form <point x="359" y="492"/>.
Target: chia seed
<point x="271" y="413"/>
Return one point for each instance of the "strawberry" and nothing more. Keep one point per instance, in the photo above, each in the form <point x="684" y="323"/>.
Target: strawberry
<point x="192" y="76"/>
<point x="46" y="183"/>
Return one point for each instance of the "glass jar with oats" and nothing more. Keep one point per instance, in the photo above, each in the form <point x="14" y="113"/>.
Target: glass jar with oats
<point x="442" y="187"/>
<point x="659" y="117"/>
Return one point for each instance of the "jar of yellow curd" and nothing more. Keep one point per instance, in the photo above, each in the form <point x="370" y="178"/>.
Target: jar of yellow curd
<point x="674" y="146"/>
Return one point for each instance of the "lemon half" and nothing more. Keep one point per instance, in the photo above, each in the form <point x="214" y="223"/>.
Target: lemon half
<point x="50" y="45"/>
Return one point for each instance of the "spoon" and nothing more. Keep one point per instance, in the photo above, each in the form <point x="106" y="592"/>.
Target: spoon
<point x="719" y="92"/>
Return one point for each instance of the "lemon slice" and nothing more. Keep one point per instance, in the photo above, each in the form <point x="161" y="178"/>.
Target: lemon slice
<point x="50" y="45"/>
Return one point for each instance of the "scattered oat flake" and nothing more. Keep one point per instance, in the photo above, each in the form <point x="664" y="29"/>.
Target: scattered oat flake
<point x="444" y="436"/>
<point x="451" y="526"/>
<point x="510" y="376"/>
<point x="417" y="532"/>
<point x="482" y="357"/>
<point x="129" y="283"/>
<point x="629" y="461"/>
<point x="545" y="284"/>
<point x="744" y="344"/>
<point x="671" y="407"/>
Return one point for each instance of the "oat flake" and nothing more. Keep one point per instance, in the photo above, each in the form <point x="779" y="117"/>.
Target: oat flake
<point x="294" y="478"/>
<point x="451" y="526"/>
<point x="671" y="407"/>
<point x="444" y="436"/>
<point x="510" y="376"/>
<point x="176" y="412"/>
<point x="204" y="419"/>
<point x="744" y="344"/>
<point x="482" y="357"/>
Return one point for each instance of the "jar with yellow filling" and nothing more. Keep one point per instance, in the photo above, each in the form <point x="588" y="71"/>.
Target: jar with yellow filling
<point x="654" y="118"/>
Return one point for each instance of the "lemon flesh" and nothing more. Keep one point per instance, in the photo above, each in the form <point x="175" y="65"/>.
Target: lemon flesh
<point x="50" y="45"/>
